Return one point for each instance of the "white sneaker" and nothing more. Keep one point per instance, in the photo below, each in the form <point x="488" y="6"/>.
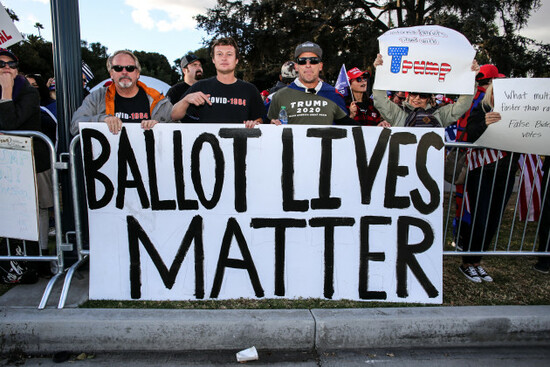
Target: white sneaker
<point x="470" y="273"/>
<point x="483" y="274"/>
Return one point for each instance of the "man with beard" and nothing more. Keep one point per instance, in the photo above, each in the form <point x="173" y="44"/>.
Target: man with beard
<point x="125" y="100"/>
<point x="191" y="67"/>
<point x="307" y="99"/>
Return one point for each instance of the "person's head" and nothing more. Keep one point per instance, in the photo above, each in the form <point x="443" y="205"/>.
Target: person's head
<point x="191" y="67"/>
<point x="124" y="68"/>
<point x="288" y="72"/>
<point x="225" y="55"/>
<point x="488" y="98"/>
<point x="416" y="99"/>
<point x="9" y="64"/>
<point x="36" y="81"/>
<point x="309" y="63"/>
<point x="358" y="80"/>
<point x="486" y="74"/>
<point x="398" y="97"/>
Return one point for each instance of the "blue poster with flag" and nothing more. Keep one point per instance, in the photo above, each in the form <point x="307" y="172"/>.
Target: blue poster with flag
<point x="342" y="83"/>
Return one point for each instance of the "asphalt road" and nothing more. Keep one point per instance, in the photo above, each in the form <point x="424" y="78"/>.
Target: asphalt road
<point x="449" y="357"/>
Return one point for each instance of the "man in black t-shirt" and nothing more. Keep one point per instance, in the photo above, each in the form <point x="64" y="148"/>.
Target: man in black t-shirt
<point x="125" y="100"/>
<point x="222" y="98"/>
<point x="191" y="67"/>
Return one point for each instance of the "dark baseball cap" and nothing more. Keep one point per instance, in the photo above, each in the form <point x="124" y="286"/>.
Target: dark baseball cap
<point x="6" y="52"/>
<point x="188" y="59"/>
<point x="308" y="47"/>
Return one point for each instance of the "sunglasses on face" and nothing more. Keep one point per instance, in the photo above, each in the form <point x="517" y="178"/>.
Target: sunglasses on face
<point x="401" y="98"/>
<point x="119" y="68"/>
<point x="11" y="64"/>
<point x="361" y="78"/>
<point x="304" y="60"/>
<point x="421" y="95"/>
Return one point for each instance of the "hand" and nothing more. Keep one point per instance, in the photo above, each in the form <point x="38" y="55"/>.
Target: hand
<point x="492" y="117"/>
<point x="198" y="99"/>
<point x="50" y="82"/>
<point x="384" y="123"/>
<point x="378" y="61"/>
<point x="148" y="124"/>
<point x="276" y="122"/>
<point x="353" y="109"/>
<point x="475" y="66"/>
<point x="114" y="124"/>
<point x="249" y="124"/>
<point x="6" y="82"/>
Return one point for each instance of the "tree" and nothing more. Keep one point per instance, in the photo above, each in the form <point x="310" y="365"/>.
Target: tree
<point x="267" y="31"/>
<point x="38" y="26"/>
<point x="157" y="66"/>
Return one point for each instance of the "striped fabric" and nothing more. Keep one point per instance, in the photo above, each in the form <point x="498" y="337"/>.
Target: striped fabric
<point x="530" y="191"/>
<point x="480" y="157"/>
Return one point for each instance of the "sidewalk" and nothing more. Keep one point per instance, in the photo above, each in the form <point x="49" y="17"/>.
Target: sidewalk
<point x="24" y="327"/>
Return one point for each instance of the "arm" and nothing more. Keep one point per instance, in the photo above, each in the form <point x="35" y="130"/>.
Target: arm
<point x="91" y="110"/>
<point x="198" y="99"/>
<point x="16" y="114"/>
<point x="392" y="113"/>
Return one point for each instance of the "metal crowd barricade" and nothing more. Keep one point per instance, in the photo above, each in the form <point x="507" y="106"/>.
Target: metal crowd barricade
<point x="83" y="254"/>
<point x="511" y="236"/>
<point x="60" y="246"/>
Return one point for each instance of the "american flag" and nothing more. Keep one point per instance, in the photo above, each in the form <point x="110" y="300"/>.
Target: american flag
<point x="530" y="191"/>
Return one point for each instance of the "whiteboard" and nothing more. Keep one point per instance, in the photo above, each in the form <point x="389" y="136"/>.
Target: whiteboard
<point x="18" y="189"/>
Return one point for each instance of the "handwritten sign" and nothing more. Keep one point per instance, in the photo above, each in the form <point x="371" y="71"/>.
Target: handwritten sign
<point x="18" y="190"/>
<point x="9" y="35"/>
<point x="211" y="211"/>
<point x="430" y="59"/>
<point x="524" y="104"/>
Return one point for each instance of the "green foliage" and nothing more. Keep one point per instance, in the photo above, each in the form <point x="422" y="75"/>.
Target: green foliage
<point x="157" y="66"/>
<point x="268" y="31"/>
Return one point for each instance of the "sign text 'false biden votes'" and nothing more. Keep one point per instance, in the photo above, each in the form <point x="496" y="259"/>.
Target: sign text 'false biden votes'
<point x="211" y="211"/>
<point x="430" y="59"/>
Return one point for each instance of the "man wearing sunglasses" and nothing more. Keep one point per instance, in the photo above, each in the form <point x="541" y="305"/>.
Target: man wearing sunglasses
<point x="125" y="100"/>
<point x="308" y="100"/>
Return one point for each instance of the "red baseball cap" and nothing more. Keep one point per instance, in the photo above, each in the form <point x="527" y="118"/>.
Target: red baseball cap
<point x="356" y="73"/>
<point x="488" y="71"/>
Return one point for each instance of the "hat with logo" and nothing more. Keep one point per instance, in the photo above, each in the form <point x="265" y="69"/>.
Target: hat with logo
<point x="6" y="52"/>
<point x="188" y="59"/>
<point x="308" y="47"/>
<point x="356" y="73"/>
<point x="288" y="70"/>
<point x="488" y="71"/>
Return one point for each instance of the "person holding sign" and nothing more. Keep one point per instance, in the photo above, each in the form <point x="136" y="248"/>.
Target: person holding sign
<point x="125" y="100"/>
<point x="421" y="105"/>
<point x="488" y="188"/>
<point x="20" y="110"/>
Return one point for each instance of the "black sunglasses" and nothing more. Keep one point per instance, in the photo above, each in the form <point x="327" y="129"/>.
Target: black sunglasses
<point x="119" y="68"/>
<point x="11" y="64"/>
<point x="304" y="60"/>
<point x="421" y="95"/>
<point x="361" y="78"/>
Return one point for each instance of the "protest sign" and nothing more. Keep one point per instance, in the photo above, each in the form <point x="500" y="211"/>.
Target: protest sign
<point x="211" y="211"/>
<point x="524" y="105"/>
<point x="9" y="35"/>
<point x="18" y="189"/>
<point x="430" y="59"/>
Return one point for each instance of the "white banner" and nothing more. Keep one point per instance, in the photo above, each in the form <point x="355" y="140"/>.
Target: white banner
<point x="524" y="105"/>
<point x="9" y="35"/>
<point x="212" y="211"/>
<point x="430" y="59"/>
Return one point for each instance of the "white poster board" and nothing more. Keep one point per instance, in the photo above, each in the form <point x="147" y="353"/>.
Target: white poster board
<point x="9" y="35"/>
<point x="524" y="105"/>
<point x="430" y="59"/>
<point x="18" y="189"/>
<point x="212" y="211"/>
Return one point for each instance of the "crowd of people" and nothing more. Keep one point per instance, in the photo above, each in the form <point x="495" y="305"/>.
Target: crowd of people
<point x="27" y="104"/>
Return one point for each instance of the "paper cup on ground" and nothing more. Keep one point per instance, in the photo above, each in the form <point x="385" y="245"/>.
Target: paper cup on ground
<point x="250" y="354"/>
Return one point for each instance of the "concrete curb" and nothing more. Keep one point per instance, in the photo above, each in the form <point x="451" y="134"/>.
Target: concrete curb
<point x="112" y="330"/>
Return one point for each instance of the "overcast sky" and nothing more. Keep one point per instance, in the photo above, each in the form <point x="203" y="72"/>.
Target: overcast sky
<point x="163" y="26"/>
